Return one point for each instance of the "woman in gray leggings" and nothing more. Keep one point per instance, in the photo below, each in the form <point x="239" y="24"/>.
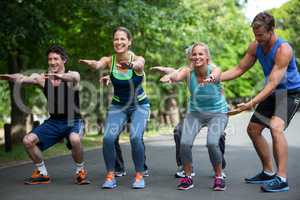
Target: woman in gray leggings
<point x="207" y="107"/>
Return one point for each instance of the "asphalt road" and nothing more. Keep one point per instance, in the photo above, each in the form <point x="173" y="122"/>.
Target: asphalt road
<point x="161" y="184"/>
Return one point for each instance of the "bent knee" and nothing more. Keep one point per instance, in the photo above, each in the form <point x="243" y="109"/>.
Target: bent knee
<point x="254" y="129"/>
<point x="108" y="140"/>
<point x="277" y="126"/>
<point x="75" y="140"/>
<point x="211" y="145"/>
<point x="135" y="139"/>
<point x="29" y="140"/>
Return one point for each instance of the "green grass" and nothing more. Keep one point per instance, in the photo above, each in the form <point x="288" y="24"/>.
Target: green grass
<point x="90" y="141"/>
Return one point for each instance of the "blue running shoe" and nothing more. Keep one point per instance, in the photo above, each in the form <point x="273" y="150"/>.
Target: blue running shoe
<point x="110" y="182"/>
<point x="276" y="185"/>
<point x="261" y="178"/>
<point x="139" y="182"/>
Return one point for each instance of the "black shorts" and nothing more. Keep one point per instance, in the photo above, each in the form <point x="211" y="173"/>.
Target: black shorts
<point x="282" y="103"/>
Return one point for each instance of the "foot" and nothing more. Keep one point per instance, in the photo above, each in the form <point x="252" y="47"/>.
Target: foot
<point x="185" y="183"/>
<point x="261" y="178"/>
<point x="139" y="182"/>
<point x="37" y="178"/>
<point x="219" y="184"/>
<point x="181" y="174"/>
<point x="146" y="173"/>
<point x="120" y="173"/>
<point x="110" y="181"/>
<point x="224" y="175"/>
<point x="276" y="185"/>
<point x="81" y="177"/>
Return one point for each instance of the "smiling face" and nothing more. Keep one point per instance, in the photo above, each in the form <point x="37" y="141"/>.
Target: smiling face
<point x="199" y="56"/>
<point x="121" y="42"/>
<point x="56" y="63"/>
<point x="262" y="35"/>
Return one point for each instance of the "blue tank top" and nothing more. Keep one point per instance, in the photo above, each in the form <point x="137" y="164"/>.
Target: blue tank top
<point x="291" y="79"/>
<point x="206" y="97"/>
<point x="127" y="86"/>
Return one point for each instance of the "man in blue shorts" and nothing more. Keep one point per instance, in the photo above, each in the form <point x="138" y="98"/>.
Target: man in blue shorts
<point x="276" y="103"/>
<point x="62" y="92"/>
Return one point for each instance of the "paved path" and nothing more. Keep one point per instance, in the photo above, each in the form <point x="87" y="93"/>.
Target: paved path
<point x="241" y="158"/>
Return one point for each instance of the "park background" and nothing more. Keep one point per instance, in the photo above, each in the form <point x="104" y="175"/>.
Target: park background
<point x="162" y="29"/>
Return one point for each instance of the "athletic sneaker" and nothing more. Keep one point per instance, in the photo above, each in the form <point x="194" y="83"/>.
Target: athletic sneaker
<point x="224" y="175"/>
<point x="37" y="178"/>
<point x="81" y="177"/>
<point x="276" y="185"/>
<point x="146" y="173"/>
<point x="185" y="183"/>
<point x="181" y="174"/>
<point x="110" y="182"/>
<point x="219" y="184"/>
<point x="261" y="178"/>
<point x="139" y="182"/>
<point x="120" y="174"/>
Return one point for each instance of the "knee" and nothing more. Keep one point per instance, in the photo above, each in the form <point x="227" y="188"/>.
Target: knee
<point x="185" y="146"/>
<point x="135" y="139"/>
<point x="253" y="131"/>
<point x="276" y="128"/>
<point x="28" y="141"/>
<point x="108" y="140"/>
<point x="75" y="140"/>
<point x="212" y="145"/>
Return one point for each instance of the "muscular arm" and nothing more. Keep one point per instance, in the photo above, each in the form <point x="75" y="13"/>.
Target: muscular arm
<point x="246" y="63"/>
<point x="282" y="59"/>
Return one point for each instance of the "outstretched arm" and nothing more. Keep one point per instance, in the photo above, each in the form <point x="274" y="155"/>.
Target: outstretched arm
<point x="35" y="79"/>
<point x="165" y="70"/>
<point x="70" y="76"/>
<point x="246" y="63"/>
<point x="176" y="76"/>
<point x="94" y="64"/>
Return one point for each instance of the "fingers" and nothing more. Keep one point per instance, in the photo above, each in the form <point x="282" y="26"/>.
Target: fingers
<point x="234" y="112"/>
<point x="166" y="79"/>
<point x="5" y="77"/>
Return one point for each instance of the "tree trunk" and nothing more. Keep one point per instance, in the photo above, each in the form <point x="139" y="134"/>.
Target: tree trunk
<point x="18" y="117"/>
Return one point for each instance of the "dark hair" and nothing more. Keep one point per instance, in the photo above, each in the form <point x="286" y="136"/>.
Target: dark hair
<point x="121" y="28"/>
<point x="59" y="50"/>
<point x="263" y="19"/>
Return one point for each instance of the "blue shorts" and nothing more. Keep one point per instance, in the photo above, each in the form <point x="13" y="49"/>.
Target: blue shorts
<point x="54" y="130"/>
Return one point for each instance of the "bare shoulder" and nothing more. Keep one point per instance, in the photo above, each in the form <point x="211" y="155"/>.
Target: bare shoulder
<point x="252" y="48"/>
<point x="285" y="48"/>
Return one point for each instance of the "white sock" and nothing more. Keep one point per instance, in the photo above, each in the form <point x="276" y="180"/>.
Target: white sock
<point x="42" y="168"/>
<point x="221" y="177"/>
<point x="79" y="166"/>
<point x="283" y="179"/>
<point x="269" y="173"/>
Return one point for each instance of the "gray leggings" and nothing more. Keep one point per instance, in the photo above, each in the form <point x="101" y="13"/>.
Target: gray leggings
<point x="193" y="122"/>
